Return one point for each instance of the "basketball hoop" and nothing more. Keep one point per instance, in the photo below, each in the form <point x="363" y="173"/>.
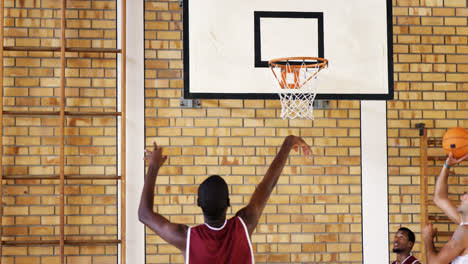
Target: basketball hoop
<point x="297" y="84"/>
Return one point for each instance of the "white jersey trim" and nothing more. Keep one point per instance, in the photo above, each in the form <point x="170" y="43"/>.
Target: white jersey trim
<point x="403" y="262"/>
<point x="248" y="238"/>
<point x="415" y="261"/>
<point x="187" y="247"/>
<point x="216" y="228"/>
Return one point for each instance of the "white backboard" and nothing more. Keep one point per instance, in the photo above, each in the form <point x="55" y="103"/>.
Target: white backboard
<point x="228" y="43"/>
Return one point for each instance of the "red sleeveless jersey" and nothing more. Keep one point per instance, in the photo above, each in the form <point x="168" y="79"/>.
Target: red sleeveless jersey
<point x="409" y="260"/>
<point x="229" y="244"/>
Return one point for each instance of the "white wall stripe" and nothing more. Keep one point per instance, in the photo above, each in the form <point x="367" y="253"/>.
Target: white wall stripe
<point x="374" y="182"/>
<point x="135" y="130"/>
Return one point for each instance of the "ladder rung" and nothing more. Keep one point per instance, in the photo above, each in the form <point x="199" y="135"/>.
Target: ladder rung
<point x="73" y="113"/>
<point x="30" y="177"/>
<point x="57" y="242"/>
<point x="444" y="234"/>
<point x="11" y="48"/>
<point x="431" y="202"/>
<point x="31" y="113"/>
<point x="56" y="49"/>
<point x="98" y="50"/>
<point x="434" y="142"/>
<point x="438" y="218"/>
<point x="67" y="113"/>
<point x="92" y="242"/>
<point x="30" y="242"/>
<point x="57" y="177"/>
<point x="436" y="157"/>
<point x="92" y="177"/>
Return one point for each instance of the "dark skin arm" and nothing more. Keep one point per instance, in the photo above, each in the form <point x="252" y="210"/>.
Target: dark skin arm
<point x="174" y="234"/>
<point x="449" y="251"/>
<point x="252" y="212"/>
<point x="441" y="198"/>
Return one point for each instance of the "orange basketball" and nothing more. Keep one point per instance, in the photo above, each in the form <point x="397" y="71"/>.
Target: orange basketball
<point x="456" y="140"/>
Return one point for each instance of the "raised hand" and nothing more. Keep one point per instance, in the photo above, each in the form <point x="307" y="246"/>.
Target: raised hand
<point x="429" y="232"/>
<point x="453" y="161"/>
<point x="298" y="142"/>
<point x="155" y="157"/>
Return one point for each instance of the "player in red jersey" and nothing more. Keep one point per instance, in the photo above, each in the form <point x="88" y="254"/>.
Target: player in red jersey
<point x="402" y="245"/>
<point x="218" y="240"/>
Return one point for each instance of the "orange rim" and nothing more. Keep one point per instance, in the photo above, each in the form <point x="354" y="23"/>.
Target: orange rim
<point x="308" y="62"/>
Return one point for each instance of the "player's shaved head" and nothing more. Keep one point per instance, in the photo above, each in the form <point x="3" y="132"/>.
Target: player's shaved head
<point x="213" y="196"/>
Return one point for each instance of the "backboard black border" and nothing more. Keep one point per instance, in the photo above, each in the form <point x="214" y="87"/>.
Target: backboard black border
<point x="257" y="96"/>
<point x="258" y="15"/>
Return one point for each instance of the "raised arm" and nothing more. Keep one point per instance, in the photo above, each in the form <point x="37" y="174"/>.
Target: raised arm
<point x="174" y="234"/>
<point x="252" y="212"/>
<point x="449" y="251"/>
<point x="441" y="198"/>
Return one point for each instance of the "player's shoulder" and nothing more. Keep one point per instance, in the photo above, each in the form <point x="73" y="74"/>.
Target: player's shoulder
<point x="237" y="220"/>
<point x="413" y="260"/>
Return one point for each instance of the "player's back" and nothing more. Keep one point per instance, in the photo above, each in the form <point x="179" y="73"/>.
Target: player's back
<point x="229" y="244"/>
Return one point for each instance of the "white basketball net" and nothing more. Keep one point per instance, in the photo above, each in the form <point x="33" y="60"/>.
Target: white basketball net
<point x="297" y="86"/>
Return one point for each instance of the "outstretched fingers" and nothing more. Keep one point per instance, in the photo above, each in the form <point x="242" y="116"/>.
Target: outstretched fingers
<point x="155" y="146"/>
<point x="307" y="151"/>
<point x="452" y="160"/>
<point x="305" y="148"/>
<point x="147" y="154"/>
<point x="464" y="157"/>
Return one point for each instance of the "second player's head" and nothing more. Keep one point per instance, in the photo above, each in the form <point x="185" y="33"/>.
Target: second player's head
<point x="213" y="197"/>
<point x="403" y="241"/>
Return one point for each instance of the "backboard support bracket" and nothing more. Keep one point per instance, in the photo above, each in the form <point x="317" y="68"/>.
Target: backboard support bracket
<point x="190" y="103"/>
<point x="321" y="104"/>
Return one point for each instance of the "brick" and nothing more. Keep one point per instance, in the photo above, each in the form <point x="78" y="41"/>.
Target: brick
<point x="461" y="11"/>
<point x="421" y="49"/>
<point x="455" y="40"/>
<point x="420" y="11"/>
<point x="454" y="77"/>
<point x="409" y="39"/>
<point x="27" y="260"/>
<point x="432" y="3"/>
<point x="433" y="21"/>
<point x="433" y="77"/>
<point x="456" y="21"/>
<point x="445" y="68"/>
<point x="457" y="58"/>
<point x="444" y="12"/>
<point x="409" y="20"/>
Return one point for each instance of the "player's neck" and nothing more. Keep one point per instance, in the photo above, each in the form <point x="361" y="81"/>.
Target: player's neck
<point x="216" y="223"/>
<point x="402" y="256"/>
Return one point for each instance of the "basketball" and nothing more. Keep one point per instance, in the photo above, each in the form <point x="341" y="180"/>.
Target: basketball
<point x="456" y="140"/>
